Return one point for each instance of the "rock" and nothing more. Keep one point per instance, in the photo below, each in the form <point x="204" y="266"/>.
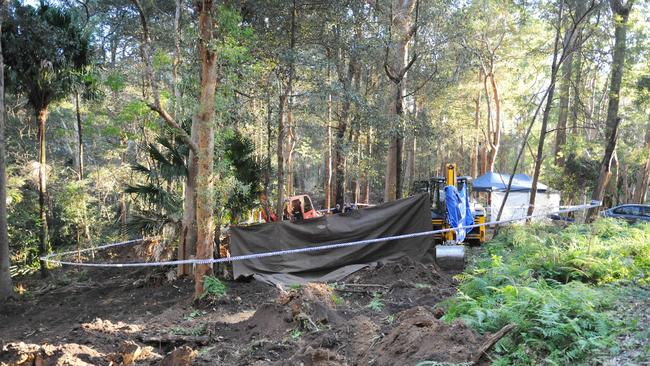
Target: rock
<point x="182" y="356"/>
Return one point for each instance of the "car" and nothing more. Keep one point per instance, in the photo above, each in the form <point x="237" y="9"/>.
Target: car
<point x="630" y="213"/>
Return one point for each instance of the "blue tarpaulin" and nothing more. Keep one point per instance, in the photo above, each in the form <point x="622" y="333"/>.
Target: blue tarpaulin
<point x="459" y="214"/>
<point x="499" y="182"/>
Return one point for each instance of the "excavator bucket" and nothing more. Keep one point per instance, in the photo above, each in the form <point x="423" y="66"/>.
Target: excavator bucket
<point x="450" y="257"/>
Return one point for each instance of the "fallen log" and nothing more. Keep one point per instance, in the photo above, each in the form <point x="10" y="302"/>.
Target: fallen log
<point x="174" y="339"/>
<point x="490" y="341"/>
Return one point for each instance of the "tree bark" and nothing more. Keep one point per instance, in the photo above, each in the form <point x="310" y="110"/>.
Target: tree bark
<point x="177" y="59"/>
<point x="563" y="113"/>
<point x="291" y="145"/>
<point x="280" y="157"/>
<point x="477" y="123"/>
<point x="643" y="178"/>
<point x="495" y="138"/>
<point x="283" y="102"/>
<point x="187" y="246"/>
<point x="205" y="141"/>
<point x="327" y="179"/>
<point x="44" y="247"/>
<point x="621" y="14"/>
<point x="6" y="287"/>
<point x="80" y="144"/>
<point x="396" y="71"/>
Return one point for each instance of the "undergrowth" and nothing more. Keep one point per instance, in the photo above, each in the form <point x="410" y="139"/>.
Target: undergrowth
<point x="556" y="284"/>
<point x="212" y="287"/>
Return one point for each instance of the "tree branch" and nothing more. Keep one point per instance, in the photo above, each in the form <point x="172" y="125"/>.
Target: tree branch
<point x="156" y="105"/>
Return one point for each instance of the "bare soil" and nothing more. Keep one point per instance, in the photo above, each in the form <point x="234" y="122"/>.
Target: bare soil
<point x="380" y="316"/>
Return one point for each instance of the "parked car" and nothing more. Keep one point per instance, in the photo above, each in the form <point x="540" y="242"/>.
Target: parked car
<point x="631" y="213"/>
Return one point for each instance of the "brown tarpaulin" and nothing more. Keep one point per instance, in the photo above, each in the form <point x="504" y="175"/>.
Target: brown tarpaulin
<point x="409" y="215"/>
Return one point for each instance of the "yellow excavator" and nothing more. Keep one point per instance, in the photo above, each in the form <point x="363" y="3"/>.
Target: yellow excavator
<point x="436" y="189"/>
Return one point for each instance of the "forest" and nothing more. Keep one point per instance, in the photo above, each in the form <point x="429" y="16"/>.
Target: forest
<point x="179" y="120"/>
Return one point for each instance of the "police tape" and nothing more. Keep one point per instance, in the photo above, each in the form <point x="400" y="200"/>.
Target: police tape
<point x="49" y="257"/>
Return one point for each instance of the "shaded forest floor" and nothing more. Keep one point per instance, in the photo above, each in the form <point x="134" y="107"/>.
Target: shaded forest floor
<point x="382" y="316"/>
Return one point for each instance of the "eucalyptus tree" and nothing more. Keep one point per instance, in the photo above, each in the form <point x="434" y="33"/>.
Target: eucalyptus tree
<point x="6" y="288"/>
<point x="620" y="14"/>
<point x="43" y="73"/>
<point x="397" y="62"/>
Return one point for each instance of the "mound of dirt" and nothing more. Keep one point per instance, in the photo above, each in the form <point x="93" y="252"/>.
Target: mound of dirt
<point x="72" y="354"/>
<point x="419" y="336"/>
<point x="314" y="357"/>
<point x="308" y="307"/>
<point x="405" y="269"/>
<point x="313" y="303"/>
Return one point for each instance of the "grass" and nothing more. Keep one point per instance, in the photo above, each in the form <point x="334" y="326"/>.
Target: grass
<point x="558" y="285"/>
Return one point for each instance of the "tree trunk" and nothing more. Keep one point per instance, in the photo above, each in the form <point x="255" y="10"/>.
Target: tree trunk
<point x="483" y="149"/>
<point x="403" y="24"/>
<point x="280" y="157"/>
<point x="495" y="138"/>
<point x="187" y="246"/>
<point x="80" y="146"/>
<point x="621" y="15"/>
<point x="44" y="247"/>
<point x="643" y="178"/>
<point x="339" y="145"/>
<point x="557" y="60"/>
<point x="283" y="102"/>
<point x="563" y="114"/>
<point x="269" y="118"/>
<point x="409" y="169"/>
<point x="573" y="116"/>
<point x="177" y="59"/>
<point x="327" y="181"/>
<point x="6" y="287"/>
<point x="157" y="105"/>
<point x="205" y="141"/>
<point x="291" y="144"/>
<point x="477" y="124"/>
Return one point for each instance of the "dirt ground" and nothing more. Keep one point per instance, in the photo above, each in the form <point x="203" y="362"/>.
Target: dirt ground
<point x="380" y="316"/>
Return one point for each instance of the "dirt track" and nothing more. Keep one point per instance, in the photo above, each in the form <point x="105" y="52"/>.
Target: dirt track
<point x="382" y="316"/>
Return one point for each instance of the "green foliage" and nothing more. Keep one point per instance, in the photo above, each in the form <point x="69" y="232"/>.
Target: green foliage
<point x="296" y="334"/>
<point x="77" y="212"/>
<point x="549" y="281"/>
<point x="239" y="154"/>
<point x="377" y="303"/>
<point x="43" y="71"/>
<point x="194" y="314"/>
<point x="199" y="330"/>
<point x="213" y="287"/>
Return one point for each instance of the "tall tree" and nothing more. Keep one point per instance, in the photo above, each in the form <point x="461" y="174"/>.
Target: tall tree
<point x="288" y="72"/>
<point x="403" y="28"/>
<point x="643" y="176"/>
<point x="43" y="73"/>
<point x="621" y="14"/>
<point x="204" y="119"/>
<point x="6" y="288"/>
<point x="560" y="55"/>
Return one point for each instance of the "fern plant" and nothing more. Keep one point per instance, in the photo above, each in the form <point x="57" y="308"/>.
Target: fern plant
<point x="213" y="287"/>
<point x="553" y="284"/>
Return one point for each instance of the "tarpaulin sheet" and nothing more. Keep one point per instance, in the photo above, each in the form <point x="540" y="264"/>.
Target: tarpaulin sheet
<point x="405" y="216"/>
<point x="459" y="214"/>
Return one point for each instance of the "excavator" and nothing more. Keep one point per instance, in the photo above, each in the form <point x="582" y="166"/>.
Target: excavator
<point x="448" y="251"/>
<point x="435" y="187"/>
